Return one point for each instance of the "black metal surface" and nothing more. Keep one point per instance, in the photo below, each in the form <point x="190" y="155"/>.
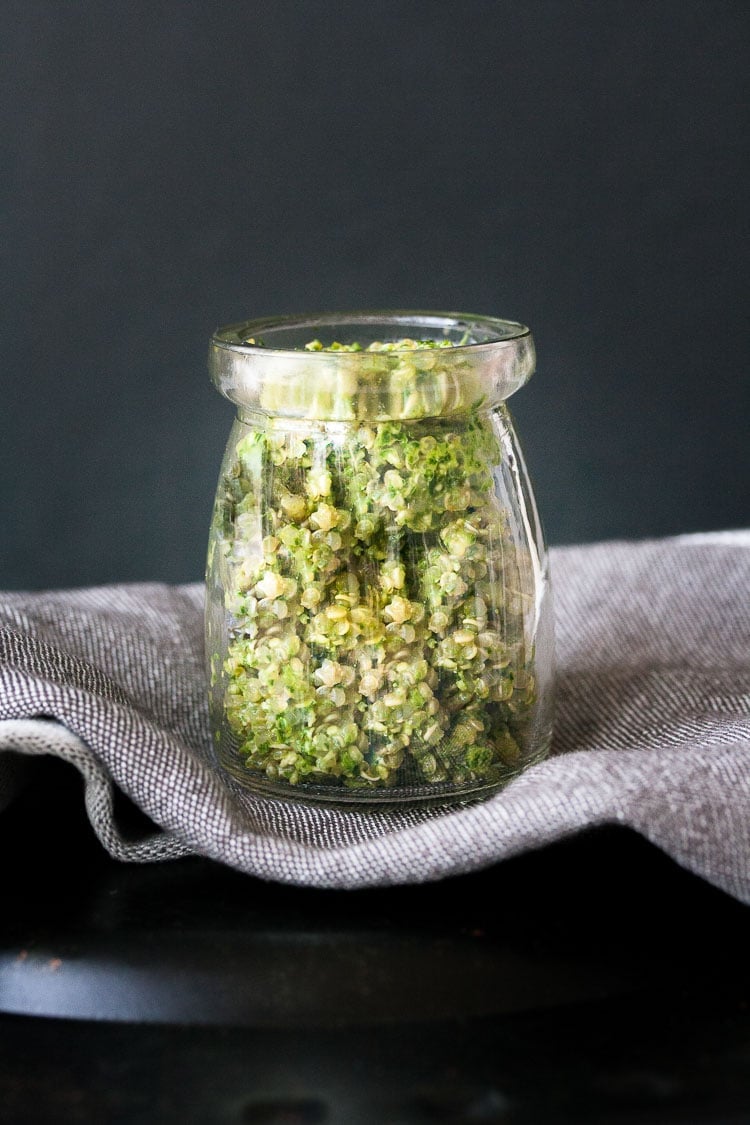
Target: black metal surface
<point x="591" y="982"/>
<point x="604" y="1064"/>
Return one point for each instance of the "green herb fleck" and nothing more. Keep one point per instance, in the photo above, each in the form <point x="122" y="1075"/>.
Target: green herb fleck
<point x="377" y="600"/>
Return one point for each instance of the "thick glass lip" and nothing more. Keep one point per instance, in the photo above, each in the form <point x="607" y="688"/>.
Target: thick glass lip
<point x="489" y="360"/>
<point x="466" y="331"/>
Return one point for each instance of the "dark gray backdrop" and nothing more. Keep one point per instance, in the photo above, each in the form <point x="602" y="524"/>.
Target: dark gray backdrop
<point x="175" y="165"/>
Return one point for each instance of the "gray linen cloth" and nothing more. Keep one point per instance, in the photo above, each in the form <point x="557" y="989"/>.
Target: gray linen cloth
<point x="653" y="727"/>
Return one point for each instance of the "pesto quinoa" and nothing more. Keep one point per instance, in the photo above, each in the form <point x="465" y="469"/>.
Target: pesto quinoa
<point x="375" y="590"/>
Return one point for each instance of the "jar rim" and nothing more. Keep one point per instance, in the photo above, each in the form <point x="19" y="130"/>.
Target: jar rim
<point x="264" y="364"/>
<point x="483" y="331"/>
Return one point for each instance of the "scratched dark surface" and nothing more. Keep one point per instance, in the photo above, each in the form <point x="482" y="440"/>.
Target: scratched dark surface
<point x="590" y="982"/>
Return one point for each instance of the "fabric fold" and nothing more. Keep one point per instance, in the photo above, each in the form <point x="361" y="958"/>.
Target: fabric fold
<point x="652" y="729"/>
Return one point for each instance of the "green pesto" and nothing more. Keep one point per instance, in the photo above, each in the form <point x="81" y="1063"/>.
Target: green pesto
<point x="376" y="601"/>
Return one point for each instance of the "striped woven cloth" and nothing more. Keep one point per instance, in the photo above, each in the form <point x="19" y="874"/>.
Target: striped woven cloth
<point x="653" y="727"/>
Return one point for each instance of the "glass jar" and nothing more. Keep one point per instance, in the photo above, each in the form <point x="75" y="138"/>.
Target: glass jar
<point x="379" y="620"/>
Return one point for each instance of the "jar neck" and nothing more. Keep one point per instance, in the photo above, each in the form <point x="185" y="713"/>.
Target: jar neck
<point x="262" y="420"/>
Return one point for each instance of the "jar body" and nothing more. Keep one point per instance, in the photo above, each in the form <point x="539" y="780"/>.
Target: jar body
<point x="378" y="608"/>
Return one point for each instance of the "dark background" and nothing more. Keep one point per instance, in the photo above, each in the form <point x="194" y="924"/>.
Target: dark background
<point x="173" y="166"/>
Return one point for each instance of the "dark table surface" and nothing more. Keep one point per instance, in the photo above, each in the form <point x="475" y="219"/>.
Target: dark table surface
<point x="592" y="981"/>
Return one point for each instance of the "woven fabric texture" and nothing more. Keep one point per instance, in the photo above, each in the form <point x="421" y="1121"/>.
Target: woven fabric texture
<point x="653" y="727"/>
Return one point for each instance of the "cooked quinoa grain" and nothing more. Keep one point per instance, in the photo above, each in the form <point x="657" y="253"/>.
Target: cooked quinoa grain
<point x="376" y="597"/>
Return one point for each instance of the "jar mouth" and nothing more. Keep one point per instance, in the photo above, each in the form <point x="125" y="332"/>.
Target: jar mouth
<point x="290" y="334"/>
<point x="264" y="365"/>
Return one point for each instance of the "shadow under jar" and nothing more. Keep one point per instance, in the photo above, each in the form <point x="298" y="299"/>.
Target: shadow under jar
<point x="378" y="612"/>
